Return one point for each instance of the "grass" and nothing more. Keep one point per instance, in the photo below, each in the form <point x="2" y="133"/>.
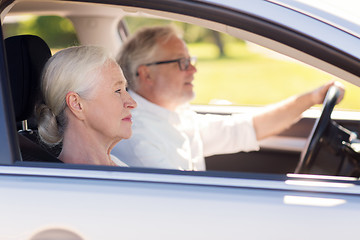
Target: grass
<point x="252" y="76"/>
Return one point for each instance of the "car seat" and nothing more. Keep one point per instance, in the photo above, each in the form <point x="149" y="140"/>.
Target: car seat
<point x="26" y="57"/>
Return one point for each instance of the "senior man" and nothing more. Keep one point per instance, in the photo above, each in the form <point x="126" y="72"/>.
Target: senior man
<point x="166" y="132"/>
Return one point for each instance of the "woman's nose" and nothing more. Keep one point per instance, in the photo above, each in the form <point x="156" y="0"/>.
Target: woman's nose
<point x="130" y="102"/>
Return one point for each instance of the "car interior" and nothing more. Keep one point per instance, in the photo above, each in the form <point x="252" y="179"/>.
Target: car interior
<point x="26" y="55"/>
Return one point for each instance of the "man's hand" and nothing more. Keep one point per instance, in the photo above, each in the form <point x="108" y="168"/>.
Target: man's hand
<point x="282" y="115"/>
<point x="319" y="94"/>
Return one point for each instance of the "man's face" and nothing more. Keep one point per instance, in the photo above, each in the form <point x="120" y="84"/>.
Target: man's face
<point x="171" y="86"/>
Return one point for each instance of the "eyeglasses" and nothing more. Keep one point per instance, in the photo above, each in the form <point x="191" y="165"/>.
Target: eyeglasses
<point x="183" y="63"/>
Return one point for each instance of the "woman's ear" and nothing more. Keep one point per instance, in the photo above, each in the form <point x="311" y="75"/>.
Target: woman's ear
<point x="73" y="101"/>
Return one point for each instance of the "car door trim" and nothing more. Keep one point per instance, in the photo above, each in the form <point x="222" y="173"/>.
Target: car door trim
<point x="292" y="182"/>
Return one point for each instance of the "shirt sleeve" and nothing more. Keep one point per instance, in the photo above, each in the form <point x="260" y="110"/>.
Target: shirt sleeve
<point x="227" y="134"/>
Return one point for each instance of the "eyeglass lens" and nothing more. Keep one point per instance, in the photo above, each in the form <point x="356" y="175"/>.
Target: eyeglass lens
<point x="185" y="63"/>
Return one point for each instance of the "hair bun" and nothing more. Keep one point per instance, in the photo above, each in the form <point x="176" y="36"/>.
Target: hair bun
<point x="47" y="125"/>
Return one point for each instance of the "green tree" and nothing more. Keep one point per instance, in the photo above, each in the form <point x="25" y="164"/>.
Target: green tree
<point x="192" y="33"/>
<point x="57" y="32"/>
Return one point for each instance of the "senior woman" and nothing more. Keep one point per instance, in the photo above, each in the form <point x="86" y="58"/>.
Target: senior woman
<point x="85" y="105"/>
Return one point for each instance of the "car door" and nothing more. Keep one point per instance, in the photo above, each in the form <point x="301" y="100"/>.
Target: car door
<point x="52" y="202"/>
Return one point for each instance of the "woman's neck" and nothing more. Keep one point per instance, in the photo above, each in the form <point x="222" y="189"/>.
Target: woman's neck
<point x="80" y="147"/>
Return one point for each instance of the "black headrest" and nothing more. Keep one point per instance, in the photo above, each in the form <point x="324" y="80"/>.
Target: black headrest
<point x="26" y="57"/>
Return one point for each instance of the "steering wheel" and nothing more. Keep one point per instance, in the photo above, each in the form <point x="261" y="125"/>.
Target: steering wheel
<point x="312" y="146"/>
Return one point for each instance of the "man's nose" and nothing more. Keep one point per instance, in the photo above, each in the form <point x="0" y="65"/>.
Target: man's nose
<point x="192" y="68"/>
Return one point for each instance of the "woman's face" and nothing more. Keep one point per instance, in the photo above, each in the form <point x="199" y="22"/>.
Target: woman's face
<point x="107" y="110"/>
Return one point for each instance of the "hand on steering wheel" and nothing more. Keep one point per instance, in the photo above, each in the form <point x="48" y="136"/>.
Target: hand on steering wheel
<point x="312" y="147"/>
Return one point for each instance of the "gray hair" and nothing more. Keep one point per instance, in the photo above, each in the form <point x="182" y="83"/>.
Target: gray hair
<point x="141" y="48"/>
<point x="74" y="69"/>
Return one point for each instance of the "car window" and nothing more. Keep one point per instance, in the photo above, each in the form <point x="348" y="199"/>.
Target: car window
<point x="58" y="32"/>
<point x="232" y="71"/>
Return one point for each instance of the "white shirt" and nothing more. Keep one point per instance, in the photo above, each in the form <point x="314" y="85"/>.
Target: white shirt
<point x="180" y="139"/>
